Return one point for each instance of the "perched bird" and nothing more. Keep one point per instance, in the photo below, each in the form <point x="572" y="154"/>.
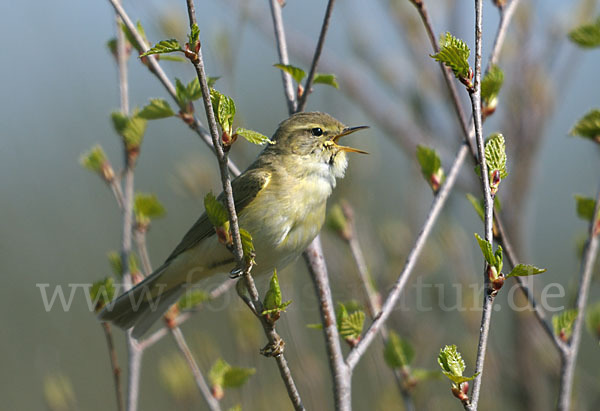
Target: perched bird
<point x="280" y="200"/>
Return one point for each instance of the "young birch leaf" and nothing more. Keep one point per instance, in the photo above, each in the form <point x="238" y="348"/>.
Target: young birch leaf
<point x="398" y="352"/>
<point x="193" y="36"/>
<point x="272" y="301"/>
<point x="490" y="86"/>
<point x="168" y="57"/>
<point x="495" y="154"/>
<point x="486" y="249"/>
<point x="523" y="270"/>
<point x="102" y="292"/>
<point x="235" y="377"/>
<point x="587" y="35"/>
<point x="157" y="109"/>
<point x="431" y="166"/>
<point x="192" y="298"/>
<point x="131" y="39"/>
<point x="247" y="243"/>
<point x="181" y="92"/>
<point x="162" y="47"/>
<point x="563" y="323"/>
<point x="224" y="109"/>
<point x="297" y="73"/>
<point x="585" y="207"/>
<point x="95" y="160"/>
<point x="454" y="53"/>
<point x="215" y="210"/>
<point x="351" y="325"/>
<point x="253" y="137"/>
<point x="147" y="207"/>
<point x="499" y="258"/>
<point x="453" y="365"/>
<point x="329" y="79"/>
<point x="114" y="259"/>
<point x="588" y="126"/>
<point x="132" y="128"/>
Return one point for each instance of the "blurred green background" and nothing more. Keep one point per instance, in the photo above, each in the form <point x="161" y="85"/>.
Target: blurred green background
<point x="59" y="221"/>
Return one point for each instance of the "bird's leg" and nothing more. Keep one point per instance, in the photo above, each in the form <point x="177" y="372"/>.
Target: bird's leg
<point x="255" y="306"/>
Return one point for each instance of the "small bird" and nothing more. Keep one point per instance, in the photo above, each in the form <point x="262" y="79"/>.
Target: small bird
<point x="280" y="200"/>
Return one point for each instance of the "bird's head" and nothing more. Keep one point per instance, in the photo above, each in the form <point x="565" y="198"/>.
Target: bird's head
<point x="314" y="137"/>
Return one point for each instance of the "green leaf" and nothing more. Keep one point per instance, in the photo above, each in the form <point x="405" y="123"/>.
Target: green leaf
<point x="273" y="296"/>
<point x="131" y="39"/>
<point x="337" y="221"/>
<point x="192" y="298"/>
<point x="486" y="249"/>
<point x="147" y="207"/>
<point x="164" y="46"/>
<point x="253" y="137"/>
<point x="95" y="160"/>
<point x="176" y="377"/>
<point x="454" y="53"/>
<point x="102" y="292"/>
<point x="114" y="258"/>
<point x="495" y="154"/>
<point x="59" y="394"/>
<point x="317" y="326"/>
<point x="586" y="35"/>
<point x="131" y="129"/>
<point x="193" y="36"/>
<point x="329" y="79"/>
<point x="181" y="92"/>
<point x="499" y="258"/>
<point x="193" y="91"/>
<point x="157" y="109"/>
<point x="112" y="46"/>
<point x="224" y="375"/>
<point x="453" y="365"/>
<point x="247" y="243"/>
<point x="297" y="73"/>
<point x="215" y="210"/>
<point x="588" y="126"/>
<point x="491" y="84"/>
<point x="523" y="270"/>
<point x="585" y="207"/>
<point x="224" y="109"/>
<point x="350" y="325"/>
<point x="431" y="166"/>
<point x="563" y="323"/>
<point x="398" y="352"/>
<point x="592" y="319"/>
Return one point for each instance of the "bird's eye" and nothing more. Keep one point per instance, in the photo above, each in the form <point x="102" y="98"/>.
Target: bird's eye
<point x="317" y="132"/>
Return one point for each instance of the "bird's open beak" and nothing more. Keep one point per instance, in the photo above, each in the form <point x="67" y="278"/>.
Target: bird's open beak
<point x="345" y="132"/>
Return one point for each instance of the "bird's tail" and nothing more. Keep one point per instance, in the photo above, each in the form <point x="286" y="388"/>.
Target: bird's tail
<point x="141" y="306"/>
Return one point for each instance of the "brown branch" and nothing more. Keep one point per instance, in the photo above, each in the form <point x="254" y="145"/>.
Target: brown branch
<point x="114" y="365"/>
<point x="317" y="55"/>
<point x="569" y="356"/>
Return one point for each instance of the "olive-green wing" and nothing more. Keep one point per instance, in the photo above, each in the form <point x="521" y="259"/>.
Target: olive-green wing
<point x="245" y="188"/>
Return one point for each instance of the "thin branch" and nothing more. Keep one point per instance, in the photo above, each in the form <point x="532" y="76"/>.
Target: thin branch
<point x="157" y="70"/>
<point x="273" y="337"/>
<point x="506" y="13"/>
<point x="211" y="401"/>
<point x="313" y="255"/>
<point x="114" y="365"/>
<point x="134" y="367"/>
<point x="315" y="62"/>
<point x="341" y="373"/>
<point x="569" y="359"/>
<point x="394" y="294"/>
<point x="288" y="86"/>
<point x="488" y="297"/>
<point x="142" y="249"/>
<point x="373" y="299"/>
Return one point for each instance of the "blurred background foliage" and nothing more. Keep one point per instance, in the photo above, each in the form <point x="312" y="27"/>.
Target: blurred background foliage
<point x="60" y="85"/>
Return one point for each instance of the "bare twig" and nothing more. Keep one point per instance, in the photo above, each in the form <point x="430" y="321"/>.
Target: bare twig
<point x="373" y="300"/>
<point x="288" y="86"/>
<point x="342" y="373"/>
<point x="315" y="62"/>
<point x="157" y="70"/>
<point x="506" y="13"/>
<point x="411" y="260"/>
<point x="211" y="401"/>
<point x="569" y="356"/>
<point x="488" y="297"/>
<point x="114" y="365"/>
<point x="273" y="337"/>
